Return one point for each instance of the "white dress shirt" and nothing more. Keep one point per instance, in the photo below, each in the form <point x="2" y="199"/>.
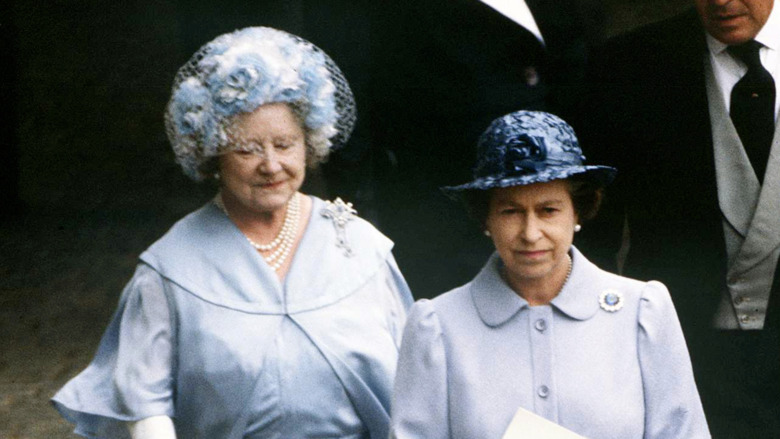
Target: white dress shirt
<point x="729" y="70"/>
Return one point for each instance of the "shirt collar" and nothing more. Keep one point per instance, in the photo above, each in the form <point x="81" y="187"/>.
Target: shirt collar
<point x="715" y="46"/>
<point x="769" y="35"/>
<point x="496" y="302"/>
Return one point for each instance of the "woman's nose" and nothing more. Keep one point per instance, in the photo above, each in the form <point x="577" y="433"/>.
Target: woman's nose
<point x="269" y="162"/>
<point x="531" y="230"/>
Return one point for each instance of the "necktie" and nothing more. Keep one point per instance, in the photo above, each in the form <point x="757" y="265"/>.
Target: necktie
<point x="753" y="107"/>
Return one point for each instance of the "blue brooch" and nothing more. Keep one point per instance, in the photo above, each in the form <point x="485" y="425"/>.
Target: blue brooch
<point x="611" y="300"/>
<point x="341" y="213"/>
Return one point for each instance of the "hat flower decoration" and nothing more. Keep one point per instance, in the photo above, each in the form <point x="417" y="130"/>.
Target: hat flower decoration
<point x="525" y="154"/>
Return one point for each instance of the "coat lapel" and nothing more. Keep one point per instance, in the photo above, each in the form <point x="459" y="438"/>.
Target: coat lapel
<point x="738" y="187"/>
<point x="764" y="234"/>
<point x="750" y="208"/>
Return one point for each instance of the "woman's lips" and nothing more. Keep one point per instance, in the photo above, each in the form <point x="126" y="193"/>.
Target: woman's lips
<point x="272" y="185"/>
<point x="532" y="254"/>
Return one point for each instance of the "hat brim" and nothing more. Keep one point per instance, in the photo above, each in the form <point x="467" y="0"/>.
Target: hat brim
<point x="600" y="175"/>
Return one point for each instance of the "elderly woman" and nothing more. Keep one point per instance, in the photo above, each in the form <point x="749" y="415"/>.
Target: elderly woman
<point x="540" y="327"/>
<point x="265" y="313"/>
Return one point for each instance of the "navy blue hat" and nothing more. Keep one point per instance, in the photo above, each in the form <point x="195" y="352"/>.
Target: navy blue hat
<point x="527" y="147"/>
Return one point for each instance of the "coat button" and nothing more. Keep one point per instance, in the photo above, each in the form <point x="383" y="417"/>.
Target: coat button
<point x="543" y="391"/>
<point x="540" y="325"/>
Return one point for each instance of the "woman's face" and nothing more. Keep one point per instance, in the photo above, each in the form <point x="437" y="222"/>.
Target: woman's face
<point x="532" y="228"/>
<point x="268" y="163"/>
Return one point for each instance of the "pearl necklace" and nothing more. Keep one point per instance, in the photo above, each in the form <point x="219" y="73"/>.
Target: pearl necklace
<point x="568" y="273"/>
<point x="283" y="242"/>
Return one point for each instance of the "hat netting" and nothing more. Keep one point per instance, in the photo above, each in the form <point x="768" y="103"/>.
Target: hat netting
<point x="190" y="158"/>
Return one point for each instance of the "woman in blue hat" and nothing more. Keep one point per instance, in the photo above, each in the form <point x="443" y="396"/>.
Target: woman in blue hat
<point x="266" y="313"/>
<point x="541" y="327"/>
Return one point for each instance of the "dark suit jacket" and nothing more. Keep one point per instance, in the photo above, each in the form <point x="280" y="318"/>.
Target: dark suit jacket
<point x="648" y="115"/>
<point x="442" y="70"/>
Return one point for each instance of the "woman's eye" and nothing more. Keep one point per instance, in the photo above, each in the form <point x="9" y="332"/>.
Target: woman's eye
<point x="549" y="210"/>
<point x="508" y="211"/>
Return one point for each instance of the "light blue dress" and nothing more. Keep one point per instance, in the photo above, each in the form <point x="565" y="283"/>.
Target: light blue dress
<point x="206" y="334"/>
<point x="471" y="357"/>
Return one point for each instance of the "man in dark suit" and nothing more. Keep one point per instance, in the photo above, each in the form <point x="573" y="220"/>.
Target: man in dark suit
<point x="683" y="109"/>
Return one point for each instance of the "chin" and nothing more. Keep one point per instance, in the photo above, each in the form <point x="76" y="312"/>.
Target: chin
<point x="732" y="40"/>
<point x="536" y="274"/>
<point x="732" y="36"/>
<point x="271" y="203"/>
<point x="528" y="272"/>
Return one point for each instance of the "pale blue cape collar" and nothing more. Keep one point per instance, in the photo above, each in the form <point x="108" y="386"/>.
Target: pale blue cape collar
<point x="496" y="302"/>
<point x="208" y="256"/>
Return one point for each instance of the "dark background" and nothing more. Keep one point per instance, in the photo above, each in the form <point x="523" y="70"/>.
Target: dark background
<point x="87" y="178"/>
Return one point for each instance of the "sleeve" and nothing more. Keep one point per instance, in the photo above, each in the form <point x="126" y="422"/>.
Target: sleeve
<point x="672" y="405"/>
<point x="400" y="299"/>
<point x="130" y="377"/>
<point x="420" y="400"/>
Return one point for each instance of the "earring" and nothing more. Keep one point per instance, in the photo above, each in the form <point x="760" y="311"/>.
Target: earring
<point x="487" y="233"/>
<point x="216" y="176"/>
<point x="577" y="228"/>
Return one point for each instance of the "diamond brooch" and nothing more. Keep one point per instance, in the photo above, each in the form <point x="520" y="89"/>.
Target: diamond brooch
<point x="341" y="213"/>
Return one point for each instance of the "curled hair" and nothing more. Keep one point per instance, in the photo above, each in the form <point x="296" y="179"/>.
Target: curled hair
<point x="586" y="196"/>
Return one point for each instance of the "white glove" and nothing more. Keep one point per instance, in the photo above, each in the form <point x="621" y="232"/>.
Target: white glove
<point x="156" y="427"/>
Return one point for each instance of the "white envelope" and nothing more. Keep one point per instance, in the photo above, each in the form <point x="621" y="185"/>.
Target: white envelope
<point x="529" y="425"/>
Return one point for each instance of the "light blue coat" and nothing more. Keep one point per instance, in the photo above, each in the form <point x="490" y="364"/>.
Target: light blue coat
<point x="206" y="334"/>
<point x="472" y="356"/>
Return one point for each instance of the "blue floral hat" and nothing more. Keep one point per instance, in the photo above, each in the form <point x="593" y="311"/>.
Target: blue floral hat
<point x="238" y="72"/>
<point x="528" y="147"/>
